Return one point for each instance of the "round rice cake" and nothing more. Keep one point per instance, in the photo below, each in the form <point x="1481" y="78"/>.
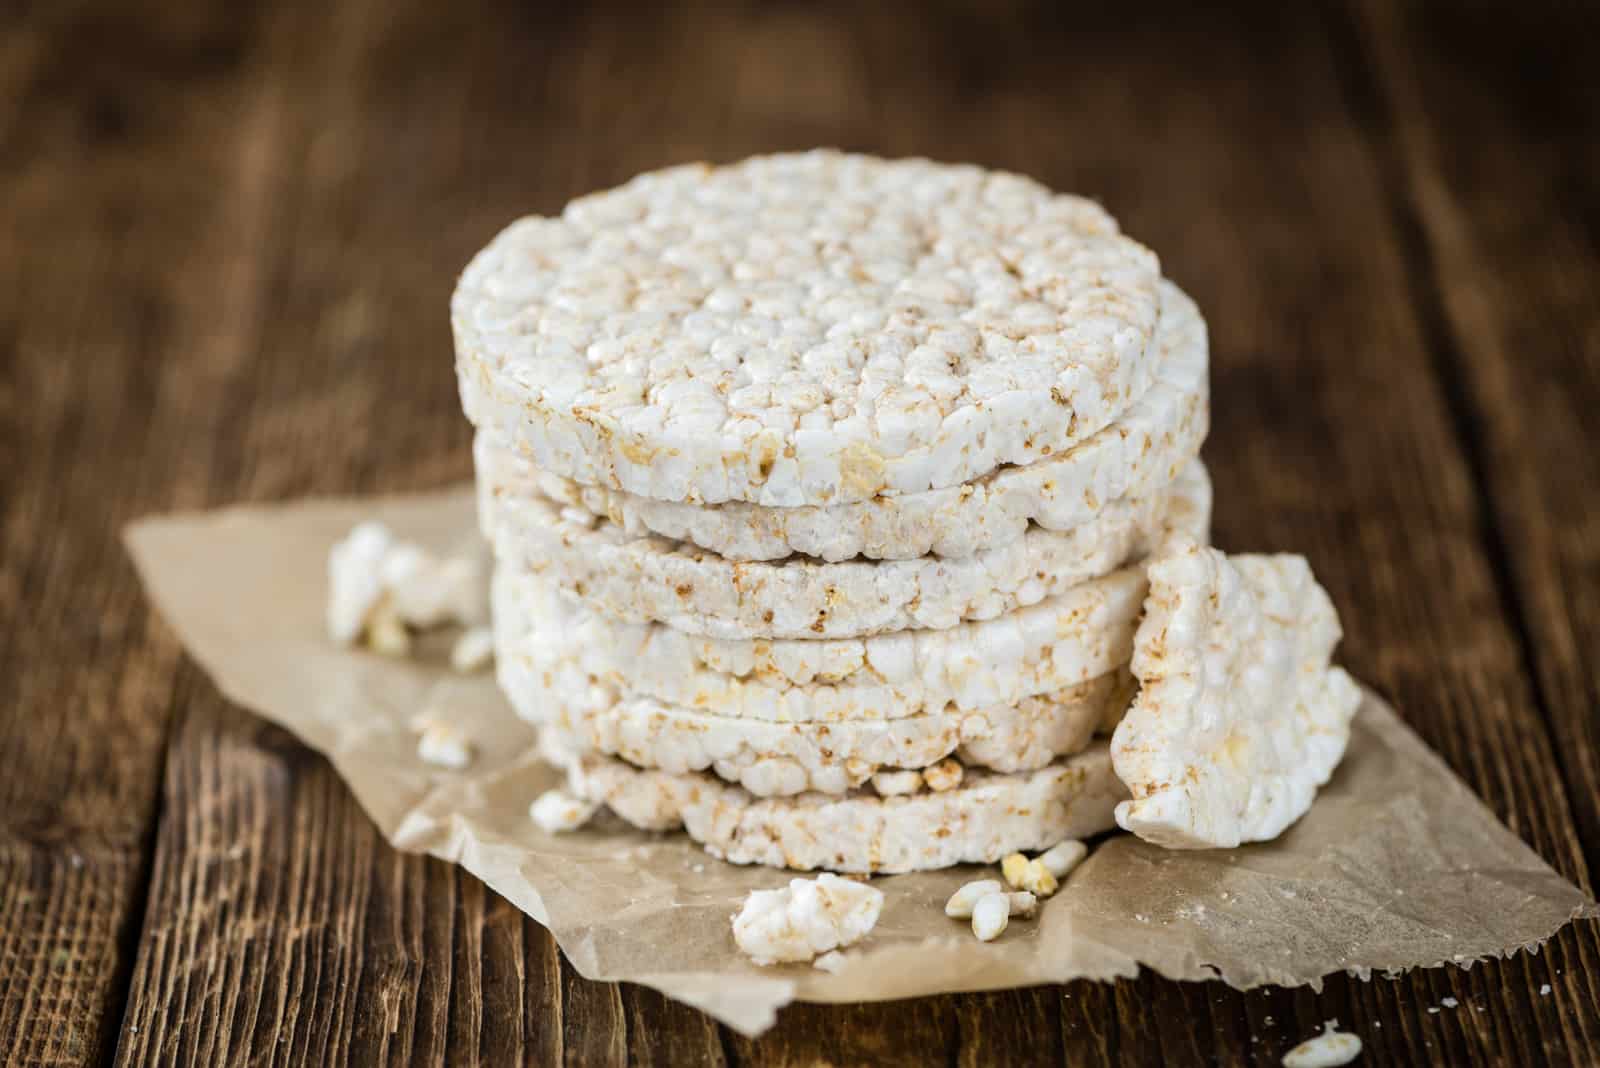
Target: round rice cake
<point x="651" y="579"/>
<point x="1133" y="458"/>
<point x="771" y="759"/>
<point x="548" y="640"/>
<point x="549" y="648"/>
<point x="986" y="817"/>
<point x="805" y="329"/>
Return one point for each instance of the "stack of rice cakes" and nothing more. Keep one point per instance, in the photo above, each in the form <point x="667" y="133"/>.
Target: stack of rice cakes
<point x="820" y="488"/>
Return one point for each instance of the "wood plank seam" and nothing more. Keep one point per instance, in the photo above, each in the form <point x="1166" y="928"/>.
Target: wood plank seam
<point x="138" y="914"/>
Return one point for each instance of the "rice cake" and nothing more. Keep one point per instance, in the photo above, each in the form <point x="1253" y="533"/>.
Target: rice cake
<point x="985" y="818"/>
<point x="773" y="759"/>
<point x="805" y="329"/>
<point x="651" y="579"/>
<point x="552" y="637"/>
<point x="549" y="648"/>
<point x="1133" y="458"/>
<point x="1239" y="717"/>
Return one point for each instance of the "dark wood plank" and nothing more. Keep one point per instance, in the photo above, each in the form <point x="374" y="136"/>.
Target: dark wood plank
<point x="1501" y="165"/>
<point x="288" y="932"/>
<point x="114" y="131"/>
<point x="354" y="161"/>
<point x="1500" y="162"/>
<point x="331" y="948"/>
<point x="917" y="1032"/>
<point x="667" y="1033"/>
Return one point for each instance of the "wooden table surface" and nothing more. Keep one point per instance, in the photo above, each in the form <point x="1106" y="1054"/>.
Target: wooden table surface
<point x="228" y="233"/>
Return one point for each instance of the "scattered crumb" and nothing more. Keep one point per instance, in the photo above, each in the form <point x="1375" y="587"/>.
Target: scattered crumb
<point x="961" y="902"/>
<point x="473" y="651"/>
<point x="832" y="962"/>
<point x="386" y="632"/>
<point x="945" y="775"/>
<point x="355" y="584"/>
<point x="1449" y="1003"/>
<point x="1061" y="858"/>
<point x="989" y="916"/>
<point x="444" y="746"/>
<point x="1433" y="1010"/>
<point x="1327" y="1050"/>
<point x="895" y="783"/>
<point x="1030" y="875"/>
<point x="556" y="811"/>
<point x="698" y="869"/>
<point x="1544" y="990"/>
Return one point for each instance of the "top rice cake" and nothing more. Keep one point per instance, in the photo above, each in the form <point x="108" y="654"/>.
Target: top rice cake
<point x="805" y="329"/>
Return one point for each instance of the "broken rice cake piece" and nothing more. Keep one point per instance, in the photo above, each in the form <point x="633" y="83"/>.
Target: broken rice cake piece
<point x="1239" y="717"/>
<point x="378" y="586"/>
<point x="805" y="918"/>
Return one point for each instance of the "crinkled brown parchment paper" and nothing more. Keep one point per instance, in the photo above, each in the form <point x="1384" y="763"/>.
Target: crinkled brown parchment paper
<point x="1397" y="866"/>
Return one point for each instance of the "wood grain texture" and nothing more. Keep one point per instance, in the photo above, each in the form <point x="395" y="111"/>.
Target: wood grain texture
<point x="110" y="253"/>
<point x="1501" y="167"/>
<point x="226" y="246"/>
